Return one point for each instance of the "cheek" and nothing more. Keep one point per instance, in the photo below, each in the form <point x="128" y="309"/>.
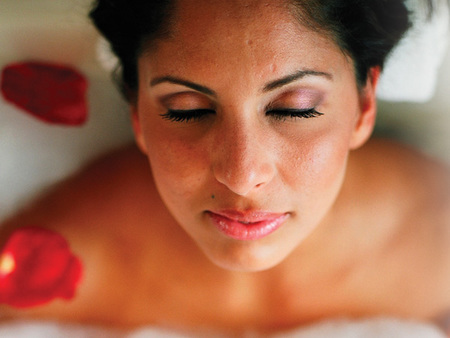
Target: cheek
<point x="328" y="161"/>
<point x="326" y="152"/>
<point x="316" y="163"/>
<point x="178" y="163"/>
<point x="178" y="166"/>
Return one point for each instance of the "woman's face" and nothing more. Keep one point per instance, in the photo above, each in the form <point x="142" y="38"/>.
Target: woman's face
<point x="247" y="119"/>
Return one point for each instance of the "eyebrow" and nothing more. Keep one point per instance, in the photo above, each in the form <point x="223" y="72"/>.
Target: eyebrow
<point x="294" y="77"/>
<point x="185" y="83"/>
<point x="268" y="87"/>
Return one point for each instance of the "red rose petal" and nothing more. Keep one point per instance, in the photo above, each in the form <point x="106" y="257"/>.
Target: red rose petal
<point x="52" y="93"/>
<point x="37" y="266"/>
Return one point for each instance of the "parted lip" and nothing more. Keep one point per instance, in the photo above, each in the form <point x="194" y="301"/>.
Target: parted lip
<point x="247" y="225"/>
<point x="252" y="216"/>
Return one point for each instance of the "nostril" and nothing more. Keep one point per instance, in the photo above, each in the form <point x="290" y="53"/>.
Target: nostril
<point x="242" y="180"/>
<point x="242" y="162"/>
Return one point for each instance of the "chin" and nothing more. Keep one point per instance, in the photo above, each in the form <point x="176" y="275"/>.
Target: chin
<point x="246" y="257"/>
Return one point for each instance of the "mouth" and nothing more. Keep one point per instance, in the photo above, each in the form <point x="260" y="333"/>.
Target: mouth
<point x="247" y="226"/>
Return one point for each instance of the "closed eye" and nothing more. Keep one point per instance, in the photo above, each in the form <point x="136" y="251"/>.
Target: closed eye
<point x="283" y="114"/>
<point x="198" y="114"/>
<point x="186" y="115"/>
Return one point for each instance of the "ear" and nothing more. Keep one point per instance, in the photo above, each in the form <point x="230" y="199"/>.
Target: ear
<point x="365" y="121"/>
<point x="136" y="124"/>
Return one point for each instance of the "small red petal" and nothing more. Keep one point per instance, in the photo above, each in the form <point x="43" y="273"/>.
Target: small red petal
<point x="53" y="93"/>
<point x="44" y="268"/>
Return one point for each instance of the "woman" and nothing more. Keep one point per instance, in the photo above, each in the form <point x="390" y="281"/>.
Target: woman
<point x="265" y="207"/>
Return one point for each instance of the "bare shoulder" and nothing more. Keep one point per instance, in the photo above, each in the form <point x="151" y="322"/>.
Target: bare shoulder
<point x="408" y="174"/>
<point x="398" y="175"/>
<point x="401" y="160"/>
<point x="94" y="210"/>
<point x="88" y="191"/>
<point x="420" y="183"/>
<point x="418" y="187"/>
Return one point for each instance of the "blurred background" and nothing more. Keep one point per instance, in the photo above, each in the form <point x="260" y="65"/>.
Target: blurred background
<point x="34" y="155"/>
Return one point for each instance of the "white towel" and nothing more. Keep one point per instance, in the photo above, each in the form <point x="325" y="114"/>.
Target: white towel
<point x="370" y="328"/>
<point x="411" y="70"/>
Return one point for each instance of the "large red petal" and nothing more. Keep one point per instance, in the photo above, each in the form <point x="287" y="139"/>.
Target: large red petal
<point x="43" y="268"/>
<point x="53" y="93"/>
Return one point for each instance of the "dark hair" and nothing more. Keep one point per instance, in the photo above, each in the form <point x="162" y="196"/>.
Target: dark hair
<point x="366" y="30"/>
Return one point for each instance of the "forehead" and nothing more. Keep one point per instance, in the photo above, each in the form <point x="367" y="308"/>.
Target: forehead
<point x="231" y="19"/>
<point x="232" y="10"/>
<point x="240" y="37"/>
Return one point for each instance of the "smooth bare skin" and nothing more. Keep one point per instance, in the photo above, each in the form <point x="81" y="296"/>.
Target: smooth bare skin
<point x="247" y="159"/>
<point x="388" y="255"/>
<point x="369" y="226"/>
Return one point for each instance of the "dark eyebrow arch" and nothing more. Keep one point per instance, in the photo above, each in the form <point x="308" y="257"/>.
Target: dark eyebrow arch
<point x="185" y="83"/>
<point x="293" y="77"/>
<point x="269" y="87"/>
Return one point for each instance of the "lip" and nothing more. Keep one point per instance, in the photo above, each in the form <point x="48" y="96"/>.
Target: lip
<point x="246" y="226"/>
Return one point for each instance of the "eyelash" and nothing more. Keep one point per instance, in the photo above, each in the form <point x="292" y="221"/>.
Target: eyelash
<point x="186" y="115"/>
<point x="284" y="114"/>
<point x="278" y="114"/>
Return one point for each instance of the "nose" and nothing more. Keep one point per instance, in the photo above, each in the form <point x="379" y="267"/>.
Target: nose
<point x="243" y="158"/>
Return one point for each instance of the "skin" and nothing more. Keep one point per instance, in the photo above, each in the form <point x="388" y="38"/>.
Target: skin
<point x="245" y="158"/>
<point x="368" y="226"/>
